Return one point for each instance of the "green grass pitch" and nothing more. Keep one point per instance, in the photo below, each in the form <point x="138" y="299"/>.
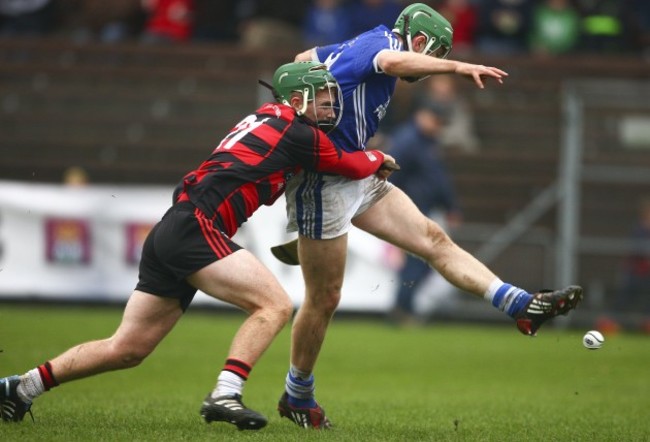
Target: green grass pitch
<point x="438" y="383"/>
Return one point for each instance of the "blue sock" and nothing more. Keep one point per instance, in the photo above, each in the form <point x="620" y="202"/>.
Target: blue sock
<point x="511" y="299"/>
<point x="300" y="391"/>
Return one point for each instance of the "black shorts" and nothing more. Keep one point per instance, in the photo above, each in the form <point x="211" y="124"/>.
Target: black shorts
<point x="183" y="242"/>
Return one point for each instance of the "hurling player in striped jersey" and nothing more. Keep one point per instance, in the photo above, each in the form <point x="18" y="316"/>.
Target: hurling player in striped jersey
<point x="191" y="248"/>
<point x="322" y="209"/>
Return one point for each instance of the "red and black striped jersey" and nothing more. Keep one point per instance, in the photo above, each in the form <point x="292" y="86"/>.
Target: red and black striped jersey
<point x="252" y="164"/>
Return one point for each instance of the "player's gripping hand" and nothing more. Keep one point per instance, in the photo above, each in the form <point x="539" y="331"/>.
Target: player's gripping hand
<point x="388" y="167"/>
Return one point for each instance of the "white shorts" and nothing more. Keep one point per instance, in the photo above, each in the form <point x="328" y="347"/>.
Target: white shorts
<point x="322" y="206"/>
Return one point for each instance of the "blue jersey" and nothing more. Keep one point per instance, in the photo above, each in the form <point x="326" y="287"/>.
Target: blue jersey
<point x="366" y="89"/>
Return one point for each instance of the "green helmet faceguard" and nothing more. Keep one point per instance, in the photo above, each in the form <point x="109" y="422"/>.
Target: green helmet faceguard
<point x="308" y="77"/>
<point x="419" y="18"/>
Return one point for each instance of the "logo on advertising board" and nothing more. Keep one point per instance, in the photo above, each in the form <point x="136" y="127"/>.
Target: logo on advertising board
<point x="136" y="233"/>
<point x="67" y="241"/>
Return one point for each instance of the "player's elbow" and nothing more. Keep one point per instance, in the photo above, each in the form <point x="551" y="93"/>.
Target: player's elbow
<point x="303" y="56"/>
<point x="390" y="63"/>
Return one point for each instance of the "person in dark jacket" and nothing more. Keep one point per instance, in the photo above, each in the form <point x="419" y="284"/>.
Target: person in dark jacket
<point x="424" y="178"/>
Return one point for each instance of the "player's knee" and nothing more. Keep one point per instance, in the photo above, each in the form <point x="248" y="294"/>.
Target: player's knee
<point x="132" y="359"/>
<point x="436" y="236"/>
<point x="331" y="304"/>
<point x="436" y="243"/>
<point x="128" y="356"/>
<point x="279" y="311"/>
<point x="284" y="311"/>
<point x="330" y="300"/>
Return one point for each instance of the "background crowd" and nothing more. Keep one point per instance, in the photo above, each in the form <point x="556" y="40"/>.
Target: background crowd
<point x="507" y="27"/>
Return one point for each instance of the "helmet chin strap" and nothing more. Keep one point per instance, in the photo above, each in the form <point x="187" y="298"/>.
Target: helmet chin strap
<point x="305" y="101"/>
<point x="409" y="40"/>
<point x="425" y="49"/>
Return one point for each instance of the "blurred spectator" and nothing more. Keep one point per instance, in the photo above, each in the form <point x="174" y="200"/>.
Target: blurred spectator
<point x="271" y="24"/>
<point x="458" y="131"/>
<point x="604" y="28"/>
<point x="326" y="22"/>
<point x="463" y="16"/>
<point x="26" y="17"/>
<point x="504" y="26"/>
<point x="423" y="177"/>
<point x="75" y="176"/>
<point x="368" y="14"/>
<point x="640" y="23"/>
<point x="635" y="295"/>
<point x="168" y="21"/>
<point x="105" y="21"/>
<point x="555" y="28"/>
<point x="215" y="20"/>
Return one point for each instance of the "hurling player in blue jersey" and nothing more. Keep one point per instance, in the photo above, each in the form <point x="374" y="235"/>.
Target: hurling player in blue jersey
<point x="323" y="208"/>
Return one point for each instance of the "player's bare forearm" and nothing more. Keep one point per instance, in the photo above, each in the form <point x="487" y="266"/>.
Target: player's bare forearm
<point x="411" y="64"/>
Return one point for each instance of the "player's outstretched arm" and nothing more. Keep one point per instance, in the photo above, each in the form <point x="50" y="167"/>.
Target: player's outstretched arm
<point x="412" y="64"/>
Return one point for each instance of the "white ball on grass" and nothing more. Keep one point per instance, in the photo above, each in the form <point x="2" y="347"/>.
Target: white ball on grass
<point x="593" y="340"/>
